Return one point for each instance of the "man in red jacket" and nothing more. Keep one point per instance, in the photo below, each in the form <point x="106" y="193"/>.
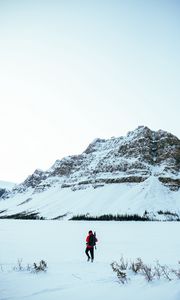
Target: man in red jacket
<point x="90" y="243"/>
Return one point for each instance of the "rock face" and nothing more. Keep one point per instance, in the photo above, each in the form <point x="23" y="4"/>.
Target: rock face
<point x="5" y="188"/>
<point x="132" y="159"/>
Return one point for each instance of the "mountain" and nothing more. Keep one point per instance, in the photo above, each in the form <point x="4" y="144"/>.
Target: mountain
<point x="5" y="186"/>
<point x="136" y="174"/>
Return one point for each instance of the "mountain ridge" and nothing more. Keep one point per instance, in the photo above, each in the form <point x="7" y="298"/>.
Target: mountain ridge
<point x="140" y="157"/>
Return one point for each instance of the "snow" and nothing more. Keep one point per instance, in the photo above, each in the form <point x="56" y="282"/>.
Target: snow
<point x="150" y="195"/>
<point x="69" y="276"/>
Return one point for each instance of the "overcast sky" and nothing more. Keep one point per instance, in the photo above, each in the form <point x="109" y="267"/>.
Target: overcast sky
<point x="72" y="71"/>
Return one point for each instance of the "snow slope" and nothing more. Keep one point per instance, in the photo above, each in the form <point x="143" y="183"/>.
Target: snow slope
<point x="150" y="195"/>
<point x="69" y="276"/>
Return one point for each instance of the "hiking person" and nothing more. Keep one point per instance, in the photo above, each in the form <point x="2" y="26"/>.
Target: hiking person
<point x="90" y="243"/>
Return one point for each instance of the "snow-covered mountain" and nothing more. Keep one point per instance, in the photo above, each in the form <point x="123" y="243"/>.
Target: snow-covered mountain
<point x="135" y="174"/>
<point x="5" y="186"/>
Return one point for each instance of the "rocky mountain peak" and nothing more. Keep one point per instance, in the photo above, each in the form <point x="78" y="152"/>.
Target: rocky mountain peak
<point x="132" y="158"/>
<point x="94" y="145"/>
<point x="140" y="131"/>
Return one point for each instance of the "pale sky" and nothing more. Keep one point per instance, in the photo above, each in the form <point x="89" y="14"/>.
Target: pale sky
<point x="72" y="71"/>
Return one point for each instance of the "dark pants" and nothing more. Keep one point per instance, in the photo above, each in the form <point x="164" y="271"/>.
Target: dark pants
<point x="91" y="250"/>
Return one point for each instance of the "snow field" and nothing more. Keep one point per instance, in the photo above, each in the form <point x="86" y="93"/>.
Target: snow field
<point x="149" y="195"/>
<point x="69" y="276"/>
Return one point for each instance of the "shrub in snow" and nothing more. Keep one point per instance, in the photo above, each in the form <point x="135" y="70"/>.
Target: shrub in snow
<point x="157" y="270"/>
<point x="19" y="266"/>
<point x="34" y="268"/>
<point x="165" y="271"/>
<point x="139" y="267"/>
<point x="42" y="266"/>
<point x="123" y="263"/>
<point x="150" y="273"/>
<point x="176" y="272"/>
<point x="136" y="266"/>
<point x="117" y="269"/>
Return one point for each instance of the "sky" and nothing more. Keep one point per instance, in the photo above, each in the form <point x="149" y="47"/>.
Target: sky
<point x="75" y="70"/>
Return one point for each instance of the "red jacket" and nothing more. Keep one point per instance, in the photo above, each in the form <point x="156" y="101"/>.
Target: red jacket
<point x="87" y="240"/>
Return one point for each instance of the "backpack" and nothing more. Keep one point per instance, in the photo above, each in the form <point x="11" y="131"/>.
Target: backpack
<point x="92" y="240"/>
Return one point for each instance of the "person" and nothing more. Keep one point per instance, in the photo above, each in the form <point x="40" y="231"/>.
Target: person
<point x="90" y="244"/>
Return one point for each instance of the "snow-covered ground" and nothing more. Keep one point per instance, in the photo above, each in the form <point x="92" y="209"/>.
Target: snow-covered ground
<point x="69" y="276"/>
